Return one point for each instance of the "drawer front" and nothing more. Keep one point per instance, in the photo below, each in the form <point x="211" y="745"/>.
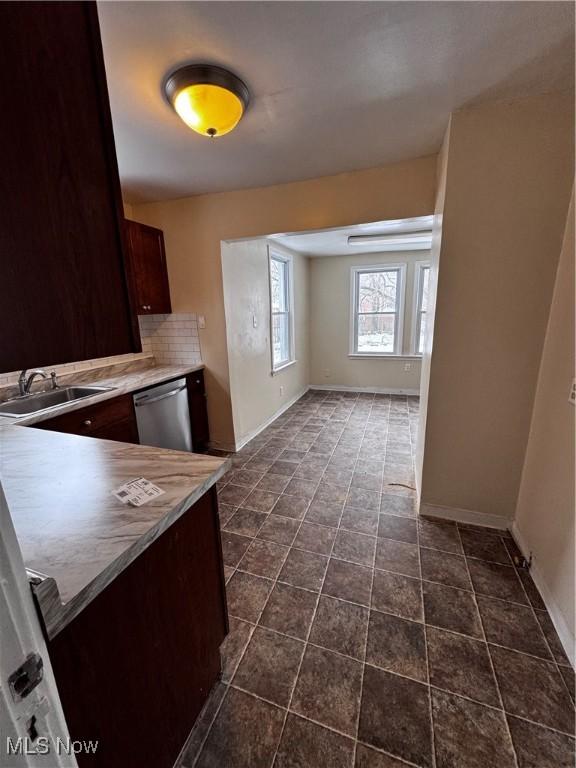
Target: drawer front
<point x="124" y="431"/>
<point x="94" y="418"/>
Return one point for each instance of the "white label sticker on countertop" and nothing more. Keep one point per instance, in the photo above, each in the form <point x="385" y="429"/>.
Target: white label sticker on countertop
<point x="137" y="492"/>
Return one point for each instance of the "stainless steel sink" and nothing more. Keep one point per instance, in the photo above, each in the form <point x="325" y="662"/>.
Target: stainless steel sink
<point x="44" y="401"/>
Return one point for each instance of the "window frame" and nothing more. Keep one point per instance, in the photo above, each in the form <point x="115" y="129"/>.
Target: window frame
<point x="417" y="312"/>
<point x="355" y="273"/>
<point x="275" y="254"/>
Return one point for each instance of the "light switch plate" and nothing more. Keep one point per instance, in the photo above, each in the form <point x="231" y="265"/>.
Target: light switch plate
<point x="572" y="397"/>
<point x="201" y="321"/>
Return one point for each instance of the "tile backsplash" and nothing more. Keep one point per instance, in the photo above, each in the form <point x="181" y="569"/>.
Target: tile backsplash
<point x="168" y="338"/>
<point x="171" y="338"/>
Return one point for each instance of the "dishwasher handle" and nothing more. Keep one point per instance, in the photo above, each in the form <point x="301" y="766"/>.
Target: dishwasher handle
<point x="139" y="403"/>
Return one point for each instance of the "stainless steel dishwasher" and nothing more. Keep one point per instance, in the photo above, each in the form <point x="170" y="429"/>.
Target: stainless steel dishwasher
<point x="163" y="417"/>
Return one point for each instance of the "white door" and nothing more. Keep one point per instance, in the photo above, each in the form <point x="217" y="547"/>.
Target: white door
<point x="32" y="729"/>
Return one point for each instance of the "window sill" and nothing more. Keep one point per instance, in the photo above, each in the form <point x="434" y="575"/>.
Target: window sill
<point x="378" y="356"/>
<point x="282" y="367"/>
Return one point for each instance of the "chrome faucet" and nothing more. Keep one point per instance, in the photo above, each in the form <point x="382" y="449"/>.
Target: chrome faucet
<point x="24" y="383"/>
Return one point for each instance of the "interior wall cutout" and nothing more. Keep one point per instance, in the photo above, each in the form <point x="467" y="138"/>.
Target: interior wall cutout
<point x="441" y="174"/>
<point x="194" y="228"/>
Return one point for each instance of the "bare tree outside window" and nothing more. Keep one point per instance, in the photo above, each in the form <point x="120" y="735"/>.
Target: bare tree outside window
<point x="377" y="300"/>
<point x="422" y="306"/>
<point x="280" y="300"/>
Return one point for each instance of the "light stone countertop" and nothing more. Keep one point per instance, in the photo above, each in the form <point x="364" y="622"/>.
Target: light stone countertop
<point x="72" y="531"/>
<point x="124" y="378"/>
<point x="69" y="525"/>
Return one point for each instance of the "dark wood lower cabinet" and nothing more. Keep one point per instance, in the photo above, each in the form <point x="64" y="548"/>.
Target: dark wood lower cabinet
<point x="110" y="420"/>
<point x="115" y="419"/>
<point x="135" y="667"/>
<point x="198" y="411"/>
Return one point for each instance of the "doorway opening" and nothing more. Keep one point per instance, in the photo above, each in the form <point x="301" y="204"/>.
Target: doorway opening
<point x="336" y="315"/>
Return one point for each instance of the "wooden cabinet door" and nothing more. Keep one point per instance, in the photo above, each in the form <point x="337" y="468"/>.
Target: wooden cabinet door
<point x="64" y="294"/>
<point x="147" y="271"/>
<point x="198" y="412"/>
<point x="111" y="420"/>
<point x="121" y="431"/>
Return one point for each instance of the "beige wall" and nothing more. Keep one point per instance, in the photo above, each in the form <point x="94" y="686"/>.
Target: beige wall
<point x="508" y="183"/>
<point x="330" y="364"/>
<point x="194" y="228"/>
<point x="257" y="394"/>
<point x="545" y="513"/>
<point x="442" y="172"/>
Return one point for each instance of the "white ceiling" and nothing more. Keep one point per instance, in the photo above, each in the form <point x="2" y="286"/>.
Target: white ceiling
<point x="334" y="242"/>
<point x="336" y="86"/>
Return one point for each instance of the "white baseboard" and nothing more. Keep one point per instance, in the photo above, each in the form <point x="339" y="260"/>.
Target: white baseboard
<point x="466" y="516"/>
<point x="370" y="390"/>
<point x="246" y="439"/>
<point x="564" y="633"/>
<point x="232" y="447"/>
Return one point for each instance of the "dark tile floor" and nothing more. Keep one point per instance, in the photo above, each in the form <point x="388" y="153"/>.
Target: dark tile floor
<point x="361" y="636"/>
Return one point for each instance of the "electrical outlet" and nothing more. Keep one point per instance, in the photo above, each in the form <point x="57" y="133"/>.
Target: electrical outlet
<point x="407" y="366"/>
<point x="572" y="396"/>
<point x="327" y="373"/>
<point x="281" y="390"/>
<point x="201" y="321"/>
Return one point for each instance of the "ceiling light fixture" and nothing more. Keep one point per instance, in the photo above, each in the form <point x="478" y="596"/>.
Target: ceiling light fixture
<point x="209" y="99"/>
<point x="404" y="238"/>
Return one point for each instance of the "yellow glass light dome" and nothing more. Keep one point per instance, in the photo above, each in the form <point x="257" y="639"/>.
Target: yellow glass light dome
<point x="210" y="100"/>
<point x="209" y="109"/>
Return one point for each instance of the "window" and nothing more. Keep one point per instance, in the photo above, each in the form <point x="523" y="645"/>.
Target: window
<point x="281" y="310"/>
<point x="377" y="309"/>
<point x="421" y="306"/>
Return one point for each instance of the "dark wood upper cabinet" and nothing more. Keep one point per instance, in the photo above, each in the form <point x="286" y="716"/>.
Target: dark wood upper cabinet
<point x="63" y="287"/>
<point x="147" y="271"/>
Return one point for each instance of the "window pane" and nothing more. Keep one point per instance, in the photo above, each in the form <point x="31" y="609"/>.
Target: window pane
<point x="421" y="333"/>
<point x="425" y="275"/>
<point x="278" y="282"/>
<point x="281" y="338"/>
<point x="377" y="291"/>
<point x="376" y="333"/>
